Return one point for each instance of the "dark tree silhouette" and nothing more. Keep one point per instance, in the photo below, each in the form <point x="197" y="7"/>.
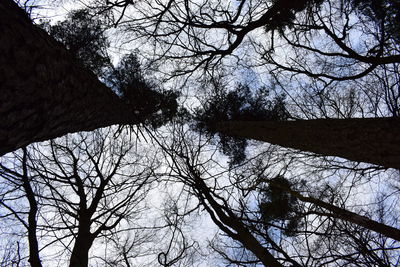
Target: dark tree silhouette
<point x="181" y="155"/>
<point x="279" y="205"/>
<point x="92" y="184"/>
<point x="318" y="35"/>
<point x="44" y="98"/>
<point x="296" y="229"/>
<point x="243" y="104"/>
<point x="281" y="201"/>
<point x="178" y="25"/>
<point x="372" y="140"/>
<point x="241" y="114"/>
<point x="84" y="37"/>
<point x="22" y="178"/>
<point x="129" y="82"/>
<point x="46" y="93"/>
<point x="385" y="13"/>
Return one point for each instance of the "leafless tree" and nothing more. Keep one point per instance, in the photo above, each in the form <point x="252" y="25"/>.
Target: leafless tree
<point x="89" y="187"/>
<point x="314" y="31"/>
<point x="310" y="232"/>
<point x="18" y="186"/>
<point x="11" y="254"/>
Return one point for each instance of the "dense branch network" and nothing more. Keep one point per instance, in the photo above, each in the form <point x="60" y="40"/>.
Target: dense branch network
<point x="199" y="35"/>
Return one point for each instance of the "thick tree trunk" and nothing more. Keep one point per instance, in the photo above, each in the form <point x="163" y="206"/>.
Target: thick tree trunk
<point x="372" y="140"/>
<point x="80" y="253"/>
<point x="83" y="243"/>
<point x="43" y="92"/>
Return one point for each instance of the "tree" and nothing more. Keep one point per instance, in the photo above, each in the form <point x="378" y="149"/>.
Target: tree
<point x="10" y="254"/>
<point x="254" y="215"/>
<point x="228" y="195"/>
<point x="318" y="36"/>
<point x="156" y="19"/>
<point x="372" y="140"/>
<point x="87" y="186"/>
<point x="22" y="178"/>
<point x="46" y="93"/>
<point x="183" y="170"/>
<point x="240" y="104"/>
<point x="245" y="115"/>
<point x="84" y="37"/>
<point x="282" y="202"/>
<point x="176" y="27"/>
<point x="108" y="108"/>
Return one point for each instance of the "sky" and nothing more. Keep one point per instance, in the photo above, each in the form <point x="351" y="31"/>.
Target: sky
<point x="361" y="188"/>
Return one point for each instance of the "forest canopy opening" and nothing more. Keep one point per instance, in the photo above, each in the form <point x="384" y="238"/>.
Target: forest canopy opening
<point x="197" y="83"/>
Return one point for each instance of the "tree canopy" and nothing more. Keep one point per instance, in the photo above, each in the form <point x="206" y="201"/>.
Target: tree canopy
<point x="237" y="133"/>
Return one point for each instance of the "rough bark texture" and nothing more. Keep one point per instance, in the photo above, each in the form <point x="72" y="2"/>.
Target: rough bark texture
<point x="44" y="92"/>
<point x="372" y="140"/>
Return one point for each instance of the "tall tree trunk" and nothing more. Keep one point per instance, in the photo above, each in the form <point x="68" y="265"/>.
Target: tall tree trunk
<point x="372" y="140"/>
<point x="343" y="214"/>
<point x="44" y="92"/>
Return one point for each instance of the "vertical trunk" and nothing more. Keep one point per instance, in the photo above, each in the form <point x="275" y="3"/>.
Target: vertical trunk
<point x="83" y="243"/>
<point x="44" y="93"/>
<point x="372" y="140"/>
<point x="80" y="253"/>
<point x="34" y="258"/>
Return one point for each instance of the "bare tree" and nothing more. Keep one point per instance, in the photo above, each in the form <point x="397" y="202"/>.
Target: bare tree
<point x="187" y="168"/>
<point x="11" y="254"/>
<point x="17" y="176"/>
<point x="89" y="186"/>
<point x="184" y="32"/>
<point x="308" y="231"/>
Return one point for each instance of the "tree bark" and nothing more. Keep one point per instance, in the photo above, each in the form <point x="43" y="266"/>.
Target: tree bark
<point x="44" y="92"/>
<point x="372" y="140"/>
